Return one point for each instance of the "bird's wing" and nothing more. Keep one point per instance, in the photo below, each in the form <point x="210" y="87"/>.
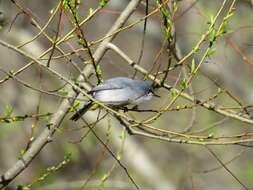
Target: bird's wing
<point x="105" y="87"/>
<point x="112" y="84"/>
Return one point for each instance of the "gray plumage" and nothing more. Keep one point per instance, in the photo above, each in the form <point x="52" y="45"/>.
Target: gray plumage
<point x="118" y="91"/>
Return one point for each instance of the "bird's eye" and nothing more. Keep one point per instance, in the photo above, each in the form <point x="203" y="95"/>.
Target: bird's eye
<point x="150" y="91"/>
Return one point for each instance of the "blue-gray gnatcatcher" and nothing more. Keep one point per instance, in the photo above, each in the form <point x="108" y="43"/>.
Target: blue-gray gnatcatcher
<point x="118" y="91"/>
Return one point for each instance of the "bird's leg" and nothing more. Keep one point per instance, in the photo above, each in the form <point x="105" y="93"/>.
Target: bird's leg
<point x="125" y="109"/>
<point x="134" y="107"/>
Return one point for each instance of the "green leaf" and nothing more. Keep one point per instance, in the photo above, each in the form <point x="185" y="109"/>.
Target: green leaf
<point x="223" y="29"/>
<point x="212" y="34"/>
<point x="105" y="177"/>
<point x="91" y="11"/>
<point x="211" y="51"/>
<point x="8" y="110"/>
<point x="173" y="93"/>
<point x="20" y="187"/>
<point x="81" y="41"/>
<point x="196" y="49"/>
<point x="75" y="106"/>
<point x="184" y="84"/>
<point x="193" y="66"/>
<point x="220" y="90"/>
<point x="102" y="3"/>
<point x="63" y="92"/>
<point x="211" y="19"/>
<point x="21" y="153"/>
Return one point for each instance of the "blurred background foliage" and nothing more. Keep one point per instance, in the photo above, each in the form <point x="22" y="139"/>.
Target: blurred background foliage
<point x="174" y="166"/>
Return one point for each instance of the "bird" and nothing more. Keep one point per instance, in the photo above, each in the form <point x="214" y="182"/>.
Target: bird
<point x="118" y="92"/>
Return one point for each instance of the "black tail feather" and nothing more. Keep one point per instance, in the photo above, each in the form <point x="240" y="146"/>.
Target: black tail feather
<point x="82" y="111"/>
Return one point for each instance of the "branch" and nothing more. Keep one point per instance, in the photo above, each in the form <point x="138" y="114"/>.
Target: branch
<point x="47" y="134"/>
<point x="184" y="95"/>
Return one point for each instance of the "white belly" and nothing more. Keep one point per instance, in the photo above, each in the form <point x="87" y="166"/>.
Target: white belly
<point x="113" y="97"/>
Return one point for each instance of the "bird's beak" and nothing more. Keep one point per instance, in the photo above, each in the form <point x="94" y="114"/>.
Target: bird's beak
<point x="156" y="95"/>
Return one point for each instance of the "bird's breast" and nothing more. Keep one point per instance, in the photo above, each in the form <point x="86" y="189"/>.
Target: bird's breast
<point x="114" y="96"/>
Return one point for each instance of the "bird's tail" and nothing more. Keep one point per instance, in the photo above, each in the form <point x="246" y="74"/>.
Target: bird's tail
<point x="82" y="111"/>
